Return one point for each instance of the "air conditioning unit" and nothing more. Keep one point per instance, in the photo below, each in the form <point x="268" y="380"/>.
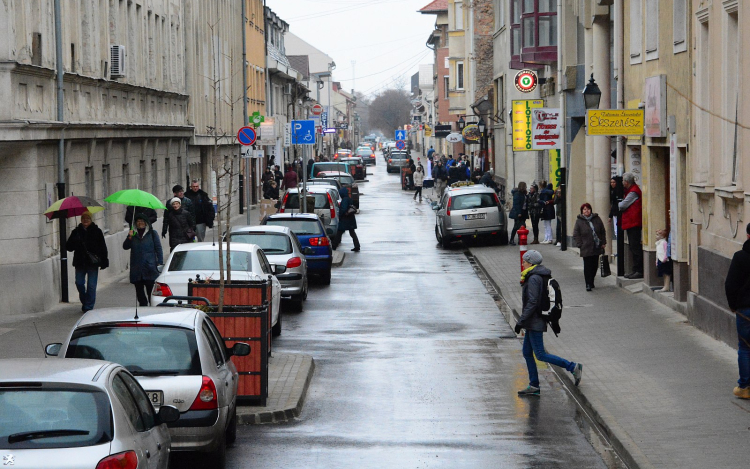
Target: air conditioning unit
<point x="117" y="61"/>
<point x="288" y="89"/>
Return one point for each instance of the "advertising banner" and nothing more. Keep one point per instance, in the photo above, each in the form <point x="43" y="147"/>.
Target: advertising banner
<point x="554" y="168"/>
<point x="546" y="129"/>
<point x="521" y="121"/>
<point x="614" y="122"/>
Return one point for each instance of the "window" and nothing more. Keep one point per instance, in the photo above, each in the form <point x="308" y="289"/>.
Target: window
<point x="636" y="31"/>
<point x="679" y="25"/>
<point x="125" y="176"/>
<point x="731" y="92"/>
<point x="460" y="75"/>
<point x="652" y="29"/>
<point x="90" y="182"/>
<point x="105" y="192"/>
<point x="500" y="96"/>
<point x="141" y="175"/>
<point x="167" y="173"/>
<point x="459" y="15"/>
<point x="139" y="396"/>
<point x="499" y="14"/>
<point x="533" y="32"/>
<point x="154" y="177"/>
<point x="446" y="86"/>
<point x="213" y="345"/>
<point x="264" y="264"/>
<point x="120" y="390"/>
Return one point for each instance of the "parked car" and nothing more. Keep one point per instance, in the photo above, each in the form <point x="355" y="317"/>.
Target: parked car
<point x="397" y="159"/>
<point x="470" y="212"/>
<point x="281" y="247"/>
<point x="356" y="166"/>
<point x="389" y="145"/>
<point x="329" y="166"/>
<point x="192" y="259"/>
<point x="341" y="153"/>
<point x="178" y="356"/>
<point x="326" y="205"/>
<point x="322" y="182"/>
<point x="367" y="153"/>
<point x="346" y="180"/>
<point x="311" y="233"/>
<point x="79" y="413"/>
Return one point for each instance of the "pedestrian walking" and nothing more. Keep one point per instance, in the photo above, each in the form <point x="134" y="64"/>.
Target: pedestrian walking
<point x="180" y="224"/>
<point x="546" y="200"/>
<point x="590" y="237"/>
<point x="440" y="175"/>
<point x="737" y="287"/>
<point x="418" y="181"/>
<point x="203" y="209"/>
<point x="518" y="213"/>
<point x="290" y="180"/>
<point x="145" y="257"/>
<point x="348" y="220"/>
<point x="615" y="196"/>
<point x="277" y="174"/>
<point x="430" y="152"/>
<point x="631" y="209"/>
<point x="533" y="279"/>
<point x="89" y="249"/>
<point x="410" y="174"/>
<point x="532" y="203"/>
<point x="455" y="173"/>
<point x="179" y="192"/>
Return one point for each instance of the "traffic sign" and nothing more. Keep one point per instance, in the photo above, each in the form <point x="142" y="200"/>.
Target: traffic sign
<point x="303" y="132"/>
<point x="400" y="144"/>
<point x="324" y="118"/>
<point x="400" y="135"/>
<point x="246" y="136"/>
<point x="526" y="81"/>
<point x="317" y="110"/>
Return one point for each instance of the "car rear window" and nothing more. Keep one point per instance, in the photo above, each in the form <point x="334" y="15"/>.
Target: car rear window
<point x="320" y="167"/>
<point x="270" y="243"/>
<point x="144" y="350"/>
<point x="300" y="227"/>
<point x="364" y="152"/>
<point x="209" y="260"/>
<point x="469" y="201"/>
<point x="321" y="201"/>
<point x="398" y="156"/>
<point x="34" y="418"/>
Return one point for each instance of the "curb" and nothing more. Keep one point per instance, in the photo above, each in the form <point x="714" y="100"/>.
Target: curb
<point x="340" y="261"/>
<point x="246" y="415"/>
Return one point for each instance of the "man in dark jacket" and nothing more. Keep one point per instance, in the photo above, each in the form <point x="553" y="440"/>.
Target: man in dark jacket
<point x="440" y="175"/>
<point x="90" y="254"/>
<point x="179" y="222"/>
<point x="290" y="179"/>
<point x="737" y="287"/>
<point x="203" y="209"/>
<point x="532" y="280"/>
<point x="145" y="257"/>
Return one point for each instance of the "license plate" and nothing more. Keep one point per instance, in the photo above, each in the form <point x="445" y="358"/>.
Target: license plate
<point x="475" y="216"/>
<point x="156" y="398"/>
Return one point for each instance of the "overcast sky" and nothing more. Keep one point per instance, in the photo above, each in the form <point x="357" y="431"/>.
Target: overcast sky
<point x="386" y="38"/>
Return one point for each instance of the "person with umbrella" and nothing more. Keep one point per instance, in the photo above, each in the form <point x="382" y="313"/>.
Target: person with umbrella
<point x="145" y="255"/>
<point x="90" y="254"/>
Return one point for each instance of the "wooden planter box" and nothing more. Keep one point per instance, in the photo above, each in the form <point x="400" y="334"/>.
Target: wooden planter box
<point x="246" y="317"/>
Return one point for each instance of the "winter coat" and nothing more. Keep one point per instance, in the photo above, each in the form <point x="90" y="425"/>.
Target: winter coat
<point x="89" y="239"/>
<point x="583" y="237"/>
<point x="518" y="210"/>
<point x="185" y="204"/>
<point x="455" y="174"/>
<point x="145" y="255"/>
<point x="271" y="192"/>
<point x="614" y="195"/>
<point x="439" y="173"/>
<point x="488" y="180"/>
<point x="632" y="216"/>
<point x="204" y="208"/>
<point x="547" y="204"/>
<point x="418" y="178"/>
<point x="290" y="180"/>
<point x="532" y="204"/>
<point x="737" y="284"/>
<point x="150" y="214"/>
<point x="177" y="223"/>
<point x="346" y="223"/>
<point x="531" y="294"/>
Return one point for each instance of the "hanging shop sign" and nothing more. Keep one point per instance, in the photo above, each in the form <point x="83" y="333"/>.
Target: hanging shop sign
<point x="546" y="129"/>
<point x="471" y="133"/>
<point x="442" y="131"/>
<point x="521" y="121"/>
<point x="526" y="81"/>
<point x="454" y="138"/>
<point x="614" y="122"/>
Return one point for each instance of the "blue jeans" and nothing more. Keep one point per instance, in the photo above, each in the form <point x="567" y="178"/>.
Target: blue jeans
<point x="87" y="289"/>
<point x="743" y="351"/>
<point x="533" y="344"/>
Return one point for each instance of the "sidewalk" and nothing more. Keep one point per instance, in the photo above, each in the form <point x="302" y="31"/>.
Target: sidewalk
<point x="660" y="389"/>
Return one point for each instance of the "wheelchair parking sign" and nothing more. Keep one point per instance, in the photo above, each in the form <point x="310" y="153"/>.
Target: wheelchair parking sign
<point x="303" y="132"/>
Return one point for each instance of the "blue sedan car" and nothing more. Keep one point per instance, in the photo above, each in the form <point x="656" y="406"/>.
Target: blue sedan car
<point x="311" y="233"/>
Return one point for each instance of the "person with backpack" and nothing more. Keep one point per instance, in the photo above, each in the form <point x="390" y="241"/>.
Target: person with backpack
<point x="538" y="309"/>
<point x="590" y="236"/>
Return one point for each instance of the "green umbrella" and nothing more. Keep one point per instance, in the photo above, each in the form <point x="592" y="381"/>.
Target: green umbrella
<point x="135" y="197"/>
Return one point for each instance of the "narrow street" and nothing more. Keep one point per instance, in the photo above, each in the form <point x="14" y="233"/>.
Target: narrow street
<point x="415" y="364"/>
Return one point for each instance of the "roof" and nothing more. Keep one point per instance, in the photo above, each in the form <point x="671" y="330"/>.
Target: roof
<point x="167" y="316"/>
<point x="68" y="370"/>
<point x="260" y="229"/>
<point x="301" y="63"/>
<point x="435" y="7"/>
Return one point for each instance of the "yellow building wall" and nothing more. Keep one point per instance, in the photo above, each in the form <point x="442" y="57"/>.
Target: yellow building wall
<point x="256" y="57"/>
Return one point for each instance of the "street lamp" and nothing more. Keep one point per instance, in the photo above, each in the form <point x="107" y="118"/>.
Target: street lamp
<point x="461" y="123"/>
<point x="592" y="94"/>
<point x="481" y="126"/>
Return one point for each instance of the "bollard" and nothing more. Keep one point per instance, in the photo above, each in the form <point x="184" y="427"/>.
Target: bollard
<point x="523" y="234"/>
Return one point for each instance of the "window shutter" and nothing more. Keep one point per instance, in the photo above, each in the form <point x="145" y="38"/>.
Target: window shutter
<point x="679" y="25"/>
<point x="636" y="31"/>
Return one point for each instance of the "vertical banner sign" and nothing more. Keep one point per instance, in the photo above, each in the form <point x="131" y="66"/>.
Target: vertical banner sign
<point x="673" y="225"/>
<point x="545" y="128"/>
<point x="554" y="168"/>
<point x="522" y="109"/>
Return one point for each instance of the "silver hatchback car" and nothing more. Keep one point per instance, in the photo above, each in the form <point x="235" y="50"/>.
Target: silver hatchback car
<point x="470" y="212"/>
<point x="79" y="413"/>
<point x="281" y="247"/>
<point x="326" y="205"/>
<point x="179" y="358"/>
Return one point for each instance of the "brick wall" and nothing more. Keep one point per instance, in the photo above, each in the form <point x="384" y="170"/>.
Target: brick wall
<point x="484" y="27"/>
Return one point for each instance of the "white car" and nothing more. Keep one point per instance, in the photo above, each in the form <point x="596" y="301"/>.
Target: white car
<point x="191" y="259"/>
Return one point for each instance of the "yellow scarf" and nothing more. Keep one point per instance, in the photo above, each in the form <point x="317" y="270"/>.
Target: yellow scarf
<point x="525" y="273"/>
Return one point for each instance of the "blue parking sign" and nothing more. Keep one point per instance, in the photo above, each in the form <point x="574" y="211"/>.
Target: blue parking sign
<point x="400" y="135"/>
<point x="303" y="132"/>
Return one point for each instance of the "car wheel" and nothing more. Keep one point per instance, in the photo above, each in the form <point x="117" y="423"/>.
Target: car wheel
<point x="437" y="234"/>
<point x="232" y="428"/>
<point x="445" y="242"/>
<point x="503" y="239"/>
<point x="217" y="459"/>
<point x="298" y="301"/>
<point x="276" y="329"/>
<point x="326" y="277"/>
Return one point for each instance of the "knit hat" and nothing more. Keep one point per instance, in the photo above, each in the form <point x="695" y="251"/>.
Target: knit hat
<point x="86" y="213"/>
<point x="533" y="257"/>
<point x="175" y="199"/>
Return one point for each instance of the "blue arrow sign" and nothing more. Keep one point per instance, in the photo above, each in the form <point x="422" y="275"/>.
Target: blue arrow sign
<point x="303" y="132"/>
<point x="400" y="135"/>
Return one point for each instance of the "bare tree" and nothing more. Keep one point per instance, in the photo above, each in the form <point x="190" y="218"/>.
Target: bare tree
<point x="389" y="110"/>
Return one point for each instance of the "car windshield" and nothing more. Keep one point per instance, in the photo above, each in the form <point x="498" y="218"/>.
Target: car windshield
<point x="300" y="227"/>
<point x="270" y="243"/>
<point x="321" y="201"/>
<point x="142" y="349"/>
<point x="53" y="417"/>
<point x="209" y="260"/>
<point x="469" y="201"/>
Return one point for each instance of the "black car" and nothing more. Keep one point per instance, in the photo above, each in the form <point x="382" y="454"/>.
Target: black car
<point x="356" y="166"/>
<point x="367" y="154"/>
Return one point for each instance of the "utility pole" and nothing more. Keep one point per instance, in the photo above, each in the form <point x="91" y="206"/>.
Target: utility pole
<point x="244" y="113"/>
<point x="61" y="154"/>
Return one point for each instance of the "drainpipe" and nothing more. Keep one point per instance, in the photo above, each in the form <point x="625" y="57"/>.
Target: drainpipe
<point x="61" y="155"/>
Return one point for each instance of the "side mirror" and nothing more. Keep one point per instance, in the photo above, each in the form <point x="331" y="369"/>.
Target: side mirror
<point x="167" y="414"/>
<point x="240" y="349"/>
<point x="52" y="350"/>
<point x="160" y="268"/>
<point x="308" y="251"/>
<point x="278" y="269"/>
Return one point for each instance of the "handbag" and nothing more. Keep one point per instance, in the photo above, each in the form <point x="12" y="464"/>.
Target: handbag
<point x="605" y="269"/>
<point x="350" y="211"/>
<point x="190" y="233"/>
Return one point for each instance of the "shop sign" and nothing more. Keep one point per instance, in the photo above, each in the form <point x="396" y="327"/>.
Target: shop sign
<point x="614" y="122"/>
<point x="545" y="129"/>
<point x="521" y="122"/>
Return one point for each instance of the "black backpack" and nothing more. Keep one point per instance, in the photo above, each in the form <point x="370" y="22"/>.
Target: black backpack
<point x="552" y="304"/>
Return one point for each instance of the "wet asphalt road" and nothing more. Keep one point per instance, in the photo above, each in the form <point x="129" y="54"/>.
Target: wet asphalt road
<point x="410" y="369"/>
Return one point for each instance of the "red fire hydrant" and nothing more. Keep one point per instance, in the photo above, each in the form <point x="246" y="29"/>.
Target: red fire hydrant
<point x="523" y="238"/>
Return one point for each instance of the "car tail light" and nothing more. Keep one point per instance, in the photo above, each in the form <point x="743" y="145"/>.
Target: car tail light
<point x="390" y="160"/>
<point x="333" y="207"/>
<point x="126" y="460"/>
<point x="293" y="262"/>
<point x="497" y="200"/>
<point x="162" y="289"/>
<point x="283" y="203"/>
<point x="322" y="241"/>
<point x="206" y="398"/>
<point x="448" y="209"/>
<point x="335" y="156"/>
